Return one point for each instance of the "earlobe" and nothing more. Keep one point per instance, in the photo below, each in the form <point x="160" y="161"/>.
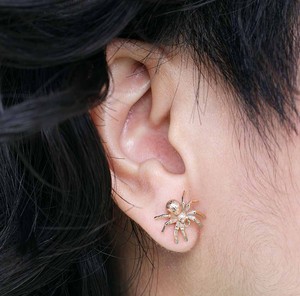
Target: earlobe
<point x="134" y="124"/>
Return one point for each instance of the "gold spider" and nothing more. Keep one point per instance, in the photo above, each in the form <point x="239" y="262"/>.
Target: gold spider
<point x="181" y="216"/>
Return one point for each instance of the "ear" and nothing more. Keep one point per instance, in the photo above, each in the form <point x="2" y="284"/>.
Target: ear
<point x="142" y="140"/>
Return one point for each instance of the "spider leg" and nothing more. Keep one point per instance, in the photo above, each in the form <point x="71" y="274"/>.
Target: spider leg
<point x="193" y="218"/>
<point x="182" y="228"/>
<point x="176" y="232"/>
<point x="171" y="221"/>
<point x="162" y="216"/>
<point x="193" y="213"/>
<point x="188" y="205"/>
<point x="182" y="196"/>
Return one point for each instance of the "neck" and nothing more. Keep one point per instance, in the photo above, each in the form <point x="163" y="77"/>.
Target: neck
<point x="151" y="270"/>
<point x="205" y="270"/>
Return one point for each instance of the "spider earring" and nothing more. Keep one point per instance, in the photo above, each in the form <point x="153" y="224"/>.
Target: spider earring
<point x="179" y="213"/>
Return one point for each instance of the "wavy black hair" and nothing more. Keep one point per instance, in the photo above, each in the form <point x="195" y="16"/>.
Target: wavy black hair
<point x="55" y="183"/>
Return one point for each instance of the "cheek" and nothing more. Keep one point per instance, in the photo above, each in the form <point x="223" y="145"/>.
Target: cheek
<point x="250" y="196"/>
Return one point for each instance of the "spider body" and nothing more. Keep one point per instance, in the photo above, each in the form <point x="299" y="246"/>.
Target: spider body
<point x="179" y="214"/>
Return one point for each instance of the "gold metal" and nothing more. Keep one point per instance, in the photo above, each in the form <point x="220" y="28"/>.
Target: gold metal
<point x="180" y="215"/>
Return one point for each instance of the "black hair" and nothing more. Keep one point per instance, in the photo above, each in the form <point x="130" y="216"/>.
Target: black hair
<point x="55" y="183"/>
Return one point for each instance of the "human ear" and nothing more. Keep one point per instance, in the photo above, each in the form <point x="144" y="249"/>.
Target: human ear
<point x="142" y="139"/>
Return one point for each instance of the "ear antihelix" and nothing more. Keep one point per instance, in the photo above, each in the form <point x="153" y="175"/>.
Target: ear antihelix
<point x="141" y="140"/>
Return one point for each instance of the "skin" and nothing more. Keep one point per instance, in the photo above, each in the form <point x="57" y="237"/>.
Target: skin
<point x="247" y="187"/>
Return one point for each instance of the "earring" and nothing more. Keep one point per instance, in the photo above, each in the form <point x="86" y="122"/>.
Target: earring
<point x="180" y="215"/>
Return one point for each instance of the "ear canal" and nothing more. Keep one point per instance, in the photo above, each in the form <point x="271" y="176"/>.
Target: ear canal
<point x="142" y="139"/>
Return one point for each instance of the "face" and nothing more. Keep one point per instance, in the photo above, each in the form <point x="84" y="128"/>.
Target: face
<point x="246" y="184"/>
<point x="249" y="188"/>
